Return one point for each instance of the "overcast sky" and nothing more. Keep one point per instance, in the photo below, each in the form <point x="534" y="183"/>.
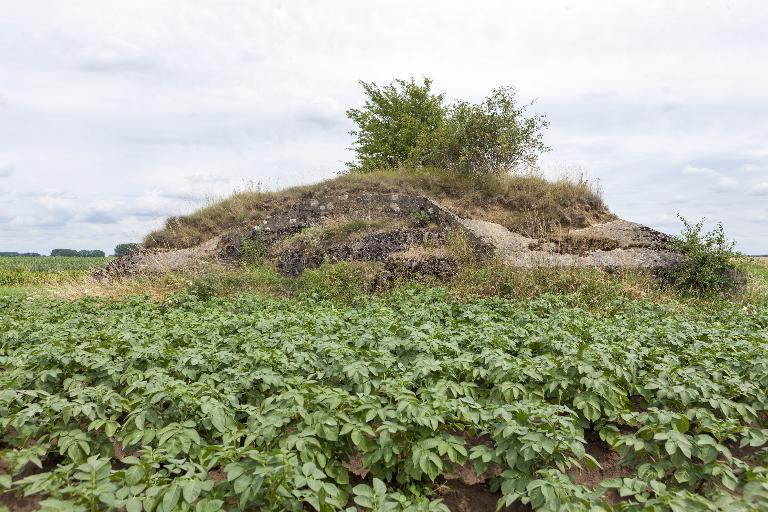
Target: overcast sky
<point x="115" y="114"/>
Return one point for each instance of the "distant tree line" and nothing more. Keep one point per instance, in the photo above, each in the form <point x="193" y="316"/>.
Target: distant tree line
<point x="92" y="253"/>
<point x="120" y="250"/>
<point x="11" y="254"/>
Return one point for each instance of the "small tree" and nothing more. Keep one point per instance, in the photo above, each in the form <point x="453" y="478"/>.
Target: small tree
<point x="708" y="267"/>
<point x="397" y="124"/>
<point x="125" y="249"/>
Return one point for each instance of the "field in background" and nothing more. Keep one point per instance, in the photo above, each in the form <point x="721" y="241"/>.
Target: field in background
<point x="24" y="275"/>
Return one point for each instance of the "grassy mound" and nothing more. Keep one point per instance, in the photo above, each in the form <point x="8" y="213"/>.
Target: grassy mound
<point x="526" y="204"/>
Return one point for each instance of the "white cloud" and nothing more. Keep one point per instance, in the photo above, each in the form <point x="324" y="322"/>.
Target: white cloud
<point x="719" y="181"/>
<point x="6" y="172"/>
<point x="137" y="110"/>
<point x="205" y="178"/>
<point x="760" y="189"/>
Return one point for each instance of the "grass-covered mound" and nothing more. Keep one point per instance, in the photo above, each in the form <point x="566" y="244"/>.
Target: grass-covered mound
<point x="527" y="204"/>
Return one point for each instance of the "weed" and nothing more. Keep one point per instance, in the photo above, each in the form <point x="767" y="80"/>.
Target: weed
<point x="709" y="266"/>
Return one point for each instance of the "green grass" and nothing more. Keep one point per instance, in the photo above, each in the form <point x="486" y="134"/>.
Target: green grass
<point x="231" y="402"/>
<point x="21" y="274"/>
<point x="20" y="291"/>
<point x="52" y="263"/>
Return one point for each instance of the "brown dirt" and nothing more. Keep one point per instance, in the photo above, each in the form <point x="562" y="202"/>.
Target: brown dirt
<point x="20" y="503"/>
<point x="611" y="466"/>
<point x="355" y="466"/>
<point x="752" y="455"/>
<point x="460" y="497"/>
<point x="17" y="503"/>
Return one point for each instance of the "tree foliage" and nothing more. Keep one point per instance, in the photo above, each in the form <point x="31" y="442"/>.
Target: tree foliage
<point x="709" y="266"/>
<point x="125" y="249"/>
<point x="397" y="123"/>
<point x="405" y="124"/>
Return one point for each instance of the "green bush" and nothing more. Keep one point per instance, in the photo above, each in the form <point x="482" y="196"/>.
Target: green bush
<point x="709" y="265"/>
<point x="489" y="138"/>
<point x="396" y="125"/>
<point x="125" y="249"/>
<point x="404" y="124"/>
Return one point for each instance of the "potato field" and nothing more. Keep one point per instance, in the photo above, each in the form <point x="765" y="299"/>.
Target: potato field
<point x="412" y="401"/>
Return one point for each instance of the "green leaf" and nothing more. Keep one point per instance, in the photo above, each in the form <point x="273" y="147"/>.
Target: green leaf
<point x="209" y="505"/>
<point x="171" y="497"/>
<point x="133" y="505"/>
<point x="191" y="491"/>
<point x="379" y="488"/>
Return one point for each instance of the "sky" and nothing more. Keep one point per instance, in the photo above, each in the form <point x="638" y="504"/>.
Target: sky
<point x="115" y="115"/>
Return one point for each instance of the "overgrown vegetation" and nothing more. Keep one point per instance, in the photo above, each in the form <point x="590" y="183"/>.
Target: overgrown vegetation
<point x="221" y="404"/>
<point x="405" y="125"/>
<point x="710" y="262"/>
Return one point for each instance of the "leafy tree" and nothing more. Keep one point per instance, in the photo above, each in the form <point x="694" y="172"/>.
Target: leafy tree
<point x="404" y="124"/>
<point x="125" y="249"/>
<point x="491" y="137"/>
<point x="396" y="125"/>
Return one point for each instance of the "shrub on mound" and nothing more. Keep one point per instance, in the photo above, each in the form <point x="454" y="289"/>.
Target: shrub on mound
<point x="404" y="124"/>
<point x="709" y="267"/>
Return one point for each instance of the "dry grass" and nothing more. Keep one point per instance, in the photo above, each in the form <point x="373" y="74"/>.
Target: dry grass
<point x="527" y="204"/>
<point x="588" y="287"/>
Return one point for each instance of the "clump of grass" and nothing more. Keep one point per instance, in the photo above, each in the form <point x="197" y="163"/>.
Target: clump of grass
<point x="587" y="286"/>
<point x="528" y="204"/>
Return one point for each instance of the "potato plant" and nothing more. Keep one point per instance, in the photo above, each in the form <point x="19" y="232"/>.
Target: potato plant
<point x="232" y="404"/>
